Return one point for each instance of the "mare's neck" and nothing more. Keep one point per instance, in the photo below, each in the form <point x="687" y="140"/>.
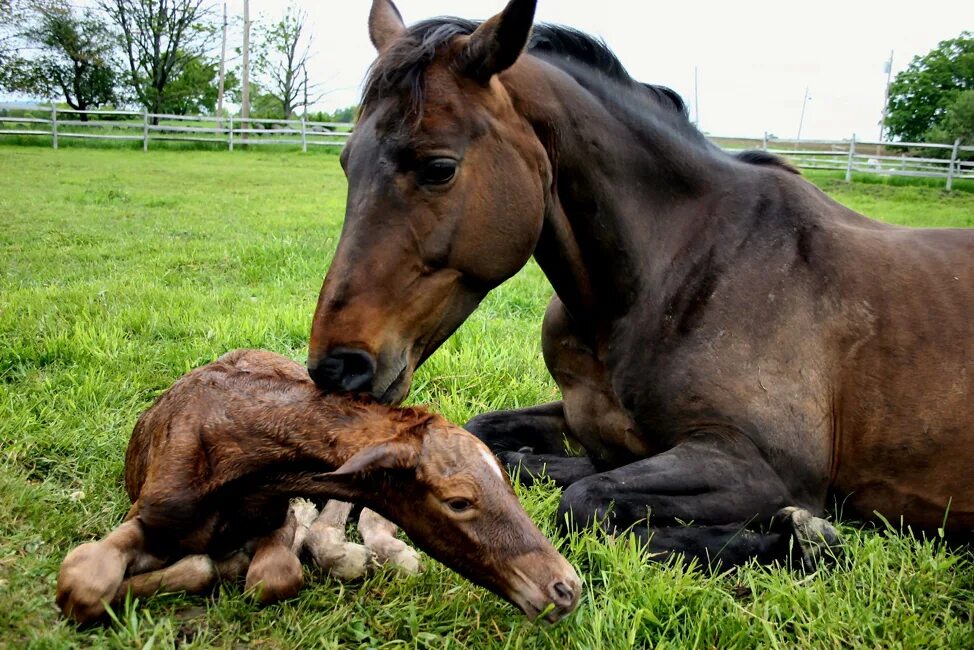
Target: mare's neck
<point x="634" y="195"/>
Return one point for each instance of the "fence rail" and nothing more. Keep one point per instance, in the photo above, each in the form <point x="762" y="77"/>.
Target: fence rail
<point x="915" y="159"/>
<point x="148" y="127"/>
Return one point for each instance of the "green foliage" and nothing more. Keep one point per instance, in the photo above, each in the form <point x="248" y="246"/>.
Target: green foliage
<point x="921" y="96"/>
<point x="161" y="41"/>
<point x="64" y="51"/>
<point x="195" y="88"/>
<point x="280" y="60"/>
<point x="958" y="120"/>
<point x="120" y="271"/>
<point x="348" y="114"/>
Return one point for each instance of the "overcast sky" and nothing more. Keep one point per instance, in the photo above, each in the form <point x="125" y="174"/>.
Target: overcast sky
<point x="754" y="57"/>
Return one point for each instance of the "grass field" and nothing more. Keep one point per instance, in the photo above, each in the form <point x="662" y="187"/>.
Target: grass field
<point x="119" y="271"/>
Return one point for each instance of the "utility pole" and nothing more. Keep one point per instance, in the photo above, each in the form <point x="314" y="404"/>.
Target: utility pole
<point x="245" y="91"/>
<point x="223" y="68"/>
<point x="801" y="120"/>
<point x="696" y="98"/>
<point x="889" y="79"/>
<point x="304" y="69"/>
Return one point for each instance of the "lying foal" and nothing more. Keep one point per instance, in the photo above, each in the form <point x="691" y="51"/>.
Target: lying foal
<point x="212" y="465"/>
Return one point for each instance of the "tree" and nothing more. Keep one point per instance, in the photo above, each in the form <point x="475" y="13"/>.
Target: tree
<point x="958" y="121"/>
<point x="921" y="95"/>
<point x="195" y="89"/>
<point x="281" y="61"/>
<point x="160" y="39"/>
<point x="64" y="52"/>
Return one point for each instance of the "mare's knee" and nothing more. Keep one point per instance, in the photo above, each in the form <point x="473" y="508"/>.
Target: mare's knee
<point x="498" y="430"/>
<point x="586" y="502"/>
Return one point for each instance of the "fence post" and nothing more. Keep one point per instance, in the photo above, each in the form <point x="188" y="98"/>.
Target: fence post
<point x="145" y="129"/>
<point x="953" y="163"/>
<point x="304" y="137"/>
<point x="54" y="125"/>
<point x="764" y="141"/>
<point x="852" y="153"/>
<point x="230" y="135"/>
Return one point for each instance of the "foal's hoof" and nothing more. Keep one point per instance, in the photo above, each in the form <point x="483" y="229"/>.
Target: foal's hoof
<point x="816" y="541"/>
<point x="274" y="577"/>
<point x="342" y="560"/>
<point x="89" y="578"/>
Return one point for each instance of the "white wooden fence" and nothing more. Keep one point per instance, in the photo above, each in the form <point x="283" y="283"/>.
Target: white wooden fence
<point x="917" y="159"/>
<point x="150" y="127"/>
<point x="925" y="160"/>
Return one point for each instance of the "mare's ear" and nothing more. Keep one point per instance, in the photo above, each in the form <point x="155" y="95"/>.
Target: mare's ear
<point x="385" y="24"/>
<point x="498" y="42"/>
<point x="395" y="454"/>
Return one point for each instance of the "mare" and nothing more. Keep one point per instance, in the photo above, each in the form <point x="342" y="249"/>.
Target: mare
<point x="734" y="348"/>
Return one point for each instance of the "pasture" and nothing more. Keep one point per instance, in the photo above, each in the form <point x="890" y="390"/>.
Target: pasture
<point x="120" y="271"/>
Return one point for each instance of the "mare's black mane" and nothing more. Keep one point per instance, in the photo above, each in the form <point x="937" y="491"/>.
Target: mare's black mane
<point x="400" y="70"/>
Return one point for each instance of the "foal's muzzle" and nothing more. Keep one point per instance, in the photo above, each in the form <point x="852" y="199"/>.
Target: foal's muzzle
<point x="344" y="370"/>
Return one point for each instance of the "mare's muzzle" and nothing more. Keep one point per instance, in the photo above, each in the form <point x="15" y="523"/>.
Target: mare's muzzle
<point x="344" y="370"/>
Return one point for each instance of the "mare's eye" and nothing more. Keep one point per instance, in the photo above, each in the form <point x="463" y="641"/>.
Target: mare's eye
<point x="437" y="171"/>
<point x="459" y="504"/>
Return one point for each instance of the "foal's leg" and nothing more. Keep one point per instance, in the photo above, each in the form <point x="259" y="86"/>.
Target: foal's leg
<point x="275" y="572"/>
<point x="326" y="543"/>
<point x="379" y="535"/>
<point x="195" y="574"/>
<point x="718" y="484"/>
<point x="91" y="574"/>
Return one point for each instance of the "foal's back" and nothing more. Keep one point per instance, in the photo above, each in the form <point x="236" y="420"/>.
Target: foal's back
<point x="243" y="385"/>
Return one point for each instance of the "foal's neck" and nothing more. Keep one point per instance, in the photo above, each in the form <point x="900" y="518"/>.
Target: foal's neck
<point x="636" y="191"/>
<point x="332" y="429"/>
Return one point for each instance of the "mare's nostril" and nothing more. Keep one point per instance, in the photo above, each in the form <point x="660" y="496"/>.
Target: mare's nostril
<point x="344" y="370"/>
<point x="562" y="594"/>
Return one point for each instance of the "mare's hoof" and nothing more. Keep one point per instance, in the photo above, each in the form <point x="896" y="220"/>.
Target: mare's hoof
<point x="814" y="540"/>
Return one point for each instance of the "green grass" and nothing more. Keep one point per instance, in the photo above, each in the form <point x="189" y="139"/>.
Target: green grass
<point x="119" y="271"/>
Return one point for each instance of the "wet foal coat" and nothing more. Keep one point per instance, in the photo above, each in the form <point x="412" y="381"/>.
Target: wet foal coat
<point x="212" y="465"/>
<point x="728" y="340"/>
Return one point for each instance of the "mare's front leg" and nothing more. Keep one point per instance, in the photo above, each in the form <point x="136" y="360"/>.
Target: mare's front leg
<point x="532" y="439"/>
<point x="708" y="497"/>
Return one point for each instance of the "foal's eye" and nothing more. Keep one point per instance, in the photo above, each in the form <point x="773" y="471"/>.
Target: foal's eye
<point x="459" y="504"/>
<point x="437" y="171"/>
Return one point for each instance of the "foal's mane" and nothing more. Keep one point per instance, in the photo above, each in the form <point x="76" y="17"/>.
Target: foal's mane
<point x="400" y="71"/>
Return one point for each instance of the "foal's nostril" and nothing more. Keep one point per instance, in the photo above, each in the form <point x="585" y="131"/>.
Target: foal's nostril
<point x="561" y="594"/>
<point x="344" y="370"/>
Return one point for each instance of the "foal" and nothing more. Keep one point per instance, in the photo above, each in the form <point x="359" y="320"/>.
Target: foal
<point x="212" y="465"/>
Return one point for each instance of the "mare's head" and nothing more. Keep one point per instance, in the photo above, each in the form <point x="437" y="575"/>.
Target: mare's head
<point x="447" y="191"/>
<point x="454" y="500"/>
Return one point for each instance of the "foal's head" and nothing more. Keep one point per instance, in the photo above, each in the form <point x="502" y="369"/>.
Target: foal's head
<point x="447" y="190"/>
<point x="448" y="492"/>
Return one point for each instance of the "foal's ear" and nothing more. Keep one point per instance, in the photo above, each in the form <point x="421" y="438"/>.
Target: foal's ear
<point x="498" y="42"/>
<point x="387" y="455"/>
<point x="385" y="24"/>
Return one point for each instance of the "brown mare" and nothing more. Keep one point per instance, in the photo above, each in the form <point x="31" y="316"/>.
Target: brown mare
<point x="211" y="465"/>
<point x="728" y="340"/>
